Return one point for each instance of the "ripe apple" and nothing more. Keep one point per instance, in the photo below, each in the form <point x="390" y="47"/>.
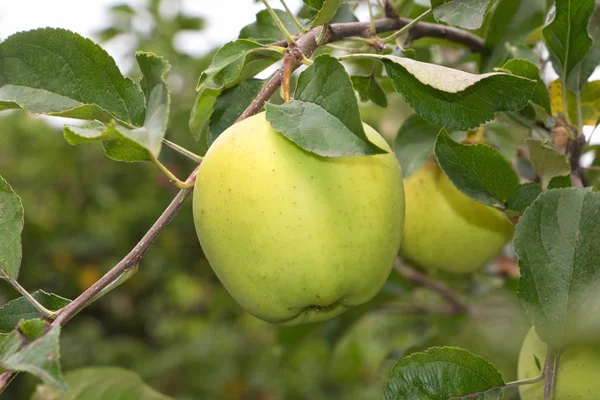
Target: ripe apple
<point x="445" y="229"/>
<point x="578" y="370"/>
<point x="295" y="237"/>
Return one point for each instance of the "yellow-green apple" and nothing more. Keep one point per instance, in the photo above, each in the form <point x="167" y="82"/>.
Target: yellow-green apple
<point x="295" y="237"/>
<point x="445" y="229"/>
<point x="578" y="372"/>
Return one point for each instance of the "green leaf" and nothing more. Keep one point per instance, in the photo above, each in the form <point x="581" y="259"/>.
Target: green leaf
<point x="414" y="144"/>
<point x="455" y="99"/>
<point x="511" y="23"/>
<point x="441" y="373"/>
<point x="32" y="328"/>
<point x="477" y="170"/>
<point x="560" y="182"/>
<point x="11" y="226"/>
<point x="101" y="383"/>
<point x="265" y="30"/>
<point x="235" y="62"/>
<point x="326" y="12"/>
<point x="39" y="357"/>
<point x="369" y="89"/>
<point x="548" y="162"/>
<point x="230" y="104"/>
<point x="529" y="70"/>
<point x="314" y="4"/>
<point x="467" y="14"/>
<point x="566" y="34"/>
<point x="525" y="195"/>
<point x="15" y="310"/>
<point x="117" y="144"/>
<point x="57" y="72"/>
<point x="502" y="139"/>
<point x="324" y="117"/>
<point x="557" y="244"/>
<point x="583" y="70"/>
<point x="200" y="116"/>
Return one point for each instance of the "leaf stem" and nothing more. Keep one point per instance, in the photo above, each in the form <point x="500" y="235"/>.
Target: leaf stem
<point x="505" y="386"/>
<point x="407" y="27"/>
<point x="372" y="29"/>
<point x="288" y="36"/>
<point x="36" y="304"/>
<point x="292" y="16"/>
<point x="180" y="184"/>
<point x="183" y="151"/>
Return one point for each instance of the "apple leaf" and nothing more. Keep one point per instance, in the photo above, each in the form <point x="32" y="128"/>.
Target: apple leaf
<point x="524" y="196"/>
<point x="369" y="89"/>
<point x="529" y="70"/>
<point x="502" y="139"/>
<point x="584" y="69"/>
<point x="235" y="62"/>
<point x="467" y="14"/>
<point x="326" y="12"/>
<point x="477" y="170"/>
<point x="510" y="23"/>
<point x="57" y="72"/>
<point x="96" y="383"/>
<point x="15" y="310"/>
<point x="39" y="357"/>
<point x="456" y="99"/>
<point x="589" y="100"/>
<point x="442" y="373"/>
<point x="414" y="144"/>
<point x="200" y="116"/>
<point x="560" y="182"/>
<point x="265" y="30"/>
<point x="558" y="244"/>
<point x="548" y="162"/>
<point x="230" y="104"/>
<point x="11" y="226"/>
<point x="324" y="117"/>
<point x="566" y="34"/>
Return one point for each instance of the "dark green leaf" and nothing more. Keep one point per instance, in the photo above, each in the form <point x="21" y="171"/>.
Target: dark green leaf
<point x="234" y="62"/>
<point x="548" y="162"/>
<point x="559" y="182"/>
<point x="57" y="72"/>
<point x="466" y="14"/>
<point x="39" y="357"/>
<point x="558" y="244"/>
<point x="13" y="311"/>
<point x="230" y="105"/>
<point x="529" y="70"/>
<point x="566" y="34"/>
<point x="265" y="30"/>
<point x="369" y="89"/>
<point x="524" y="197"/>
<point x="200" y="116"/>
<point x="583" y="70"/>
<point x="477" y="170"/>
<point x="11" y="226"/>
<point x="511" y="23"/>
<point x="324" y="117"/>
<point x="314" y="4"/>
<point x="455" y="99"/>
<point x="101" y="383"/>
<point x="441" y="373"/>
<point x="414" y="143"/>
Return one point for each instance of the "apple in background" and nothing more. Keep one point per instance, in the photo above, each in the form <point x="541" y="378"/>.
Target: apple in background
<point x="445" y="229"/>
<point x="295" y="237"/>
<point x="578" y="370"/>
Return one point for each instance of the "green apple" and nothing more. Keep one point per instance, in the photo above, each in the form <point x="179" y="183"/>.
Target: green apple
<point x="578" y="370"/>
<point x="445" y="229"/>
<point x="295" y="237"/>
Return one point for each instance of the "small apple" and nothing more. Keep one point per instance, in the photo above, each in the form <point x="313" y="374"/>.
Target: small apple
<point x="445" y="229"/>
<point x="578" y="370"/>
<point x="295" y="237"/>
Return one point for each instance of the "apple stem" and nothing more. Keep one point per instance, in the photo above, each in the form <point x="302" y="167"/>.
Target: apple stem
<point x="456" y="302"/>
<point x="550" y="375"/>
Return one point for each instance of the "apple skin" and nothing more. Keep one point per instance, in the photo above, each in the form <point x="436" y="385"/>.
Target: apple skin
<point x="295" y="237"/>
<point x="446" y="230"/>
<point x="578" y="370"/>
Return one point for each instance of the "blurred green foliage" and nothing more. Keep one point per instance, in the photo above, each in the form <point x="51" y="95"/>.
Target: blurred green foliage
<point x="173" y="323"/>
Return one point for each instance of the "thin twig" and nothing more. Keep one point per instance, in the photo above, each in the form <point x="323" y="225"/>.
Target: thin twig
<point x="406" y="27"/>
<point x="292" y="16"/>
<point x="458" y="305"/>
